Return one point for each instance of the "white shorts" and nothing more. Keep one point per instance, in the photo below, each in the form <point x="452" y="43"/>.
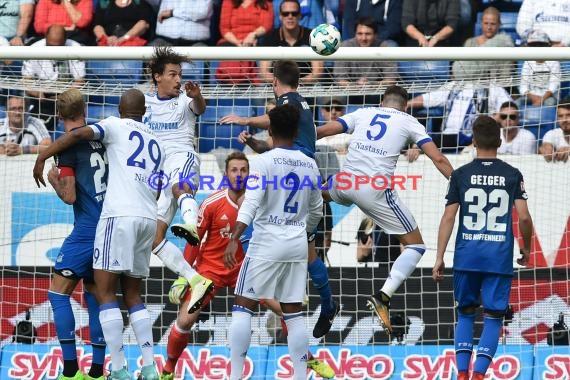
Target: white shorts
<point x="123" y="245"/>
<point x="179" y="167"/>
<point x="383" y="206"/>
<point x="261" y="279"/>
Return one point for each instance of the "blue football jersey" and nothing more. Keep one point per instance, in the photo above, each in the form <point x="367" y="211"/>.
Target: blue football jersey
<point x="89" y="161"/>
<point x="485" y="190"/>
<point x="307" y="134"/>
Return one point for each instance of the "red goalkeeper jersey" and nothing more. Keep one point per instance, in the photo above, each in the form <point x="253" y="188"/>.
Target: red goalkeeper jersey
<point x="216" y="221"/>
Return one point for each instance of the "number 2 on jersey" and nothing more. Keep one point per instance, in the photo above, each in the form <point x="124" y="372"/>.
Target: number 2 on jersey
<point x="377" y="122"/>
<point x="478" y="200"/>
<point x="292" y="180"/>
<point x="154" y="156"/>
<point x="98" y="162"/>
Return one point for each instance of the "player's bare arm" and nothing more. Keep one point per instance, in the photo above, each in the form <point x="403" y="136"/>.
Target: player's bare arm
<point x="261" y="121"/>
<point x="193" y="91"/>
<point x="525" y="228"/>
<point x="63" y="186"/>
<point x="58" y="146"/>
<point x="329" y="129"/>
<point x="439" y="160"/>
<point x="258" y="146"/>
<point x="230" y="252"/>
<point x="443" y="235"/>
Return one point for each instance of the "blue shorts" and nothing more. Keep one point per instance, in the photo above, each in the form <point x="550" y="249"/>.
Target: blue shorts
<point x="477" y="288"/>
<point x="75" y="259"/>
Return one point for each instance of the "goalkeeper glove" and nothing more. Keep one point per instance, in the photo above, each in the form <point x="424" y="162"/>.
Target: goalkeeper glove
<point x="178" y="290"/>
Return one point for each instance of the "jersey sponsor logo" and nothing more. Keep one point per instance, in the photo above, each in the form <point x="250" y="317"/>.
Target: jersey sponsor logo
<point x="226" y="232"/>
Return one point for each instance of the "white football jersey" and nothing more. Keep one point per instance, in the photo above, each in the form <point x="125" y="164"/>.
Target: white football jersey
<point x="284" y="201"/>
<point x="135" y="156"/>
<point x="172" y="120"/>
<point x="378" y="136"/>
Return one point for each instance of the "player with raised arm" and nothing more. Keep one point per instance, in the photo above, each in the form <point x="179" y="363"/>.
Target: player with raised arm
<point x="127" y="226"/>
<point x="378" y="136"/>
<point x="171" y="115"/>
<point x="484" y="191"/>
<point x="275" y="265"/>
<point x="285" y="83"/>
<point x="216" y="220"/>
<point x="79" y="179"/>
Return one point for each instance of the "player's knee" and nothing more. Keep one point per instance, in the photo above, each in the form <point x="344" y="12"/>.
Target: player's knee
<point x="467" y="310"/>
<point x="419" y="248"/>
<point x="496" y="314"/>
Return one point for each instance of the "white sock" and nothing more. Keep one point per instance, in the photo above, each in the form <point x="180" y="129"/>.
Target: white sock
<point x="188" y="208"/>
<point x="140" y="322"/>
<point x="174" y="260"/>
<point x="298" y="343"/>
<point x="112" y="325"/>
<point x="240" y="338"/>
<point x="403" y="268"/>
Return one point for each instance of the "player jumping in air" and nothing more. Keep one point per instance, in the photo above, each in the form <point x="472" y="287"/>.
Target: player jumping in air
<point x="216" y="220"/>
<point x="127" y="226"/>
<point x="484" y="191"/>
<point x="286" y="80"/>
<point x="80" y="179"/>
<point x="171" y="114"/>
<point x="275" y="265"/>
<point x="378" y="136"/>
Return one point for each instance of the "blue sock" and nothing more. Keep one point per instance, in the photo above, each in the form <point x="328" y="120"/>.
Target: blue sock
<point x="320" y="277"/>
<point x="96" y="332"/>
<point x="464" y="340"/>
<point x="488" y="343"/>
<point x="64" y="321"/>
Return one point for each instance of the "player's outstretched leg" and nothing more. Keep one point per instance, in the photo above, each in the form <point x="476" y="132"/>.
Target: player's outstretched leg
<point x="189" y="212"/>
<point x="402" y="268"/>
<point x="321" y="368"/>
<point x="320" y="277"/>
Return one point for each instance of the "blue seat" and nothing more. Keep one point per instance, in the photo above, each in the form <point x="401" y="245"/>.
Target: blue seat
<point x="96" y="112"/>
<point x="424" y="71"/>
<point x="194" y="72"/>
<point x="538" y="120"/>
<point x="213" y="135"/>
<point x="126" y="73"/>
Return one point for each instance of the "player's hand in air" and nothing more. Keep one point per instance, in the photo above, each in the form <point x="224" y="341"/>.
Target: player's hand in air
<point x="39" y="171"/>
<point x="192" y="89"/>
<point x="244" y="136"/>
<point x="230" y="254"/>
<point x="178" y="290"/>
<point x="437" y="271"/>
<point x="233" y="119"/>
<point x="525" y="257"/>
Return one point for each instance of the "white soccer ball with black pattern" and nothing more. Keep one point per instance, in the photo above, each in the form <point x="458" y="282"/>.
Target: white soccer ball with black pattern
<point x="325" y="39"/>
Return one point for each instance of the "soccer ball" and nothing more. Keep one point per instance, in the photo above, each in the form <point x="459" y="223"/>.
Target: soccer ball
<point x="325" y="39"/>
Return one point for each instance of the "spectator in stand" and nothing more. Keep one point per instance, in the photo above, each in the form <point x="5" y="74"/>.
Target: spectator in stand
<point x="313" y="12"/>
<point x="242" y="22"/>
<point x="123" y="23"/>
<point x="74" y="15"/>
<point x="73" y="71"/>
<point x="490" y="37"/>
<point x="184" y="22"/>
<point x="290" y="33"/>
<point x="362" y="73"/>
<point x="332" y="109"/>
<point x="556" y="143"/>
<point x="462" y="102"/>
<point x="552" y="17"/>
<point x="540" y="80"/>
<point x="387" y="16"/>
<point x="514" y="139"/>
<point x="15" y="19"/>
<point x="429" y="23"/>
<point x="21" y="133"/>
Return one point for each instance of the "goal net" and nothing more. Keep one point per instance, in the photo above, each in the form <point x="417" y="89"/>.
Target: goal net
<point x="35" y="221"/>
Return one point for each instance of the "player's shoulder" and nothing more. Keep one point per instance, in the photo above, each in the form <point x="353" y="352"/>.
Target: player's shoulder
<point x="215" y="197"/>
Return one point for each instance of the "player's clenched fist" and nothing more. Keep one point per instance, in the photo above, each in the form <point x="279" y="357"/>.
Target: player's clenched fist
<point x="178" y="290"/>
